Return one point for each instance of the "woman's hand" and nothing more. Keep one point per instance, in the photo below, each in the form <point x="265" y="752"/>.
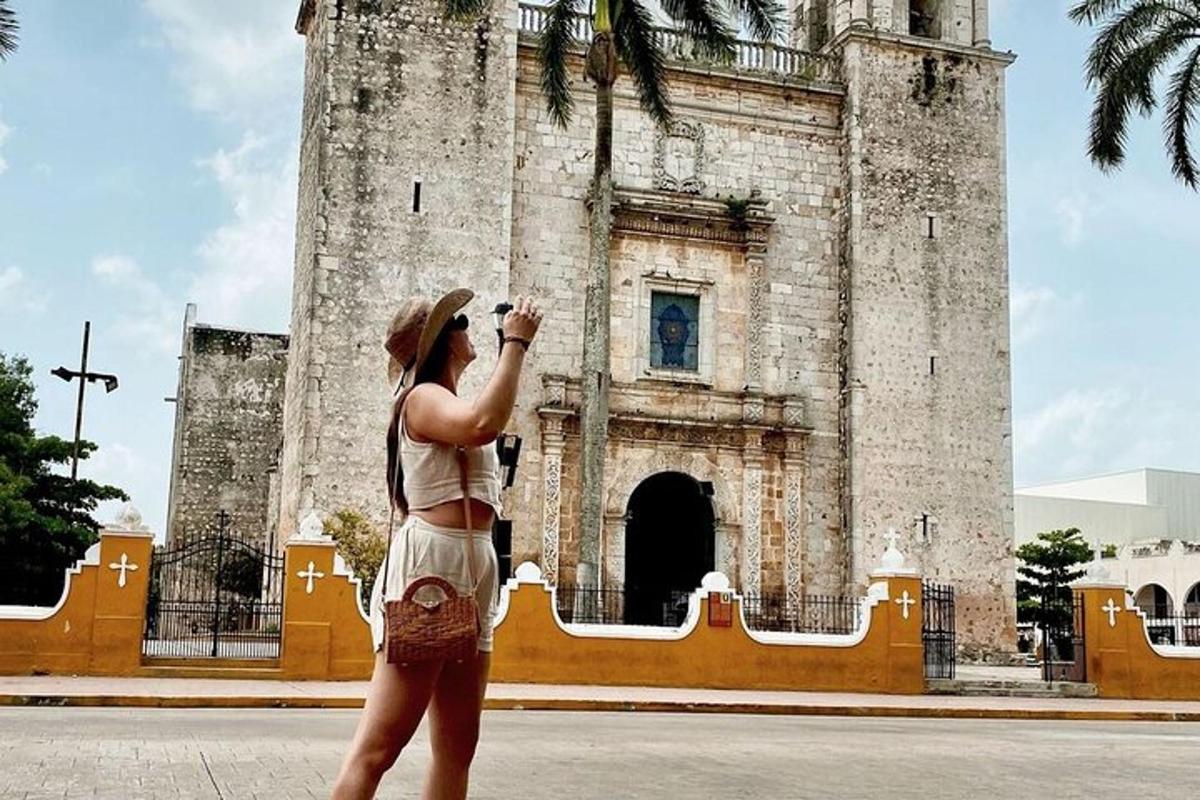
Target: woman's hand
<point x="524" y="320"/>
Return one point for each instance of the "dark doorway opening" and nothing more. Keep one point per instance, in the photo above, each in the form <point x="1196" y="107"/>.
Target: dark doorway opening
<point x="669" y="547"/>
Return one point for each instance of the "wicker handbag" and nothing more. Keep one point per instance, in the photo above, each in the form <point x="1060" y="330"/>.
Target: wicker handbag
<point x="448" y="630"/>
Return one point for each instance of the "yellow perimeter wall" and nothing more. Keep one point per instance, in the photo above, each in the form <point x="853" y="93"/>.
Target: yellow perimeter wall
<point x="96" y="629"/>
<point x="1121" y="662"/>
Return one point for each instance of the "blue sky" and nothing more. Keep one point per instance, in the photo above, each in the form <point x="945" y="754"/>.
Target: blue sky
<point x="148" y="159"/>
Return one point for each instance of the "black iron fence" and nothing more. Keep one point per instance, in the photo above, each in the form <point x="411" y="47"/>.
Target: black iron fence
<point x="810" y="613"/>
<point x="763" y="612"/>
<point x="938" y="631"/>
<point x="1175" y="629"/>
<point x="607" y="606"/>
<point x="1063" y="653"/>
<point x="215" y="596"/>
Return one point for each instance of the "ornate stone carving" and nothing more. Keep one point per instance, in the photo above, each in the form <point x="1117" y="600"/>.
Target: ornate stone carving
<point x="794" y="412"/>
<point x="679" y="157"/>
<point x="551" y="511"/>
<point x="793" y="534"/>
<point x="752" y="527"/>
<point x="754" y="321"/>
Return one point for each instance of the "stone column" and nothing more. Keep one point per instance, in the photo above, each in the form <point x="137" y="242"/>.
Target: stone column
<point x="859" y="14"/>
<point x="552" y="450"/>
<point x="793" y="568"/>
<point x="752" y="490"/>
<point x="756" y="279"/>
<point x="981" y="36"/>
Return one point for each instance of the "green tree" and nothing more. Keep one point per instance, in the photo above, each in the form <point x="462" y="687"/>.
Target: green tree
<point x="8" y="30"/>
<point x="360" y="544"/>
<point x="1137" y="42"/>
<point x="1047" y="568"/>
<point x="45" y="518"/>
<point x="623" y="36"/>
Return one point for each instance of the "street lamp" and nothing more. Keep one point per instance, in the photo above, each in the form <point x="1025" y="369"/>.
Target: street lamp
<point x="84" y="377"/>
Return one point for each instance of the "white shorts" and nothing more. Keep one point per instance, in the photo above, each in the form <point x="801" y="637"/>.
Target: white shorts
<point x="420" y="549"/>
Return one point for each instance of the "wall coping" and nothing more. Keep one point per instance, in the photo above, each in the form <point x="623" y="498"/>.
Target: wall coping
<point x="529" y="574"/>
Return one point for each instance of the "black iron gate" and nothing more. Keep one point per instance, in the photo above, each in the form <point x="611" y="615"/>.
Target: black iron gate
<point x="1063" y="655"/>
<point x="937" y="629"/>
<point x="214" y="597"/>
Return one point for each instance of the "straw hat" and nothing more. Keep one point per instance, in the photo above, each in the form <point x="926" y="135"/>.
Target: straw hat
<point x="415" y="328"/>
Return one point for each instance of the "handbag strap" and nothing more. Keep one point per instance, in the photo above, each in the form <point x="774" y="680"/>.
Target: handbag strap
<point x="466" y="493"/>
<point x="461" y="454"/>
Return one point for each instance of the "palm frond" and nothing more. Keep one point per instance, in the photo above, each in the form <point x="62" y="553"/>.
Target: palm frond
<point x="765" y="18"/>
<point x="1131" y="29"/>
<point x="1091" y="11"/>
<point x="1183" y="97"/>
<point x="644" y="58"/>
<point x="467" y="9"/>
<point x="554" y="46"/>
<point x="705" y="22"/>
<point x="8" y="30"/>
<point x="1129" y="87"/>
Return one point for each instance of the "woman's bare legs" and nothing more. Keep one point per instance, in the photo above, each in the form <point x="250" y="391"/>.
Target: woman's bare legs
<point x="454" y="727"/>
<point x="395" y="704"/>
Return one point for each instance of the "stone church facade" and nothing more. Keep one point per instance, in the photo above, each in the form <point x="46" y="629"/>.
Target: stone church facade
<point x="809" y="288"/>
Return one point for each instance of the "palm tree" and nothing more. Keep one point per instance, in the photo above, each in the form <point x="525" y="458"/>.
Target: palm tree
<point x="623" y="35"/>
<point x="8" y="30"/>
<point x="1137" y="41"/>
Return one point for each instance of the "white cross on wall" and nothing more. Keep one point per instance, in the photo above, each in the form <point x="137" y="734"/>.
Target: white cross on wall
<point x="1112" y="611"/>
<point x="310" y="573"/>
<point x="904" y="602"/>
<point x="891" y="537"/>
<point x="124" y="566"/>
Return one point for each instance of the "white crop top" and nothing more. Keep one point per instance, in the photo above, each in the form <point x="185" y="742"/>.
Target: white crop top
<point x="431" y="474"/>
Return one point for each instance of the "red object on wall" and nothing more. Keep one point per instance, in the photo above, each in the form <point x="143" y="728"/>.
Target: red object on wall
<point x="720" y="609"/>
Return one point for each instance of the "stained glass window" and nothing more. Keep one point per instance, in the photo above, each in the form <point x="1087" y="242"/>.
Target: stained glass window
<point x="674" y="331"/>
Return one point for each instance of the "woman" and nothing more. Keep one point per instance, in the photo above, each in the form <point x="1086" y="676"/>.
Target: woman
<point x="430" y="349"/>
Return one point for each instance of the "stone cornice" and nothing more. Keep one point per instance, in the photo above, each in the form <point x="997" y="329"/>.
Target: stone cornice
<point x="919" y="42"/>
<point x="686" y="216"/>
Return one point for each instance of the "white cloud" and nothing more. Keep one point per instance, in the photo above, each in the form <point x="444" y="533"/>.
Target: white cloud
<point x="1034" y="310"/>
<point x="242" y="63"/>
<point x="5" y="132"/>
<point x="237" y="59"/>
<point x="16" y="293"/>
<point x="245" y="273"/>
<point x="1097" y="430"/>
<point x="1072" y="212"/>
<point x="150" y="320"/>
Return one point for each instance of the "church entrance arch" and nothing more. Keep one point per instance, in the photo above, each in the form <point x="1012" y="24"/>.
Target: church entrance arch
<point x="670" y="544"/>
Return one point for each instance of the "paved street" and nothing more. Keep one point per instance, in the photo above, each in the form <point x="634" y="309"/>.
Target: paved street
<point x="160" y="753"/>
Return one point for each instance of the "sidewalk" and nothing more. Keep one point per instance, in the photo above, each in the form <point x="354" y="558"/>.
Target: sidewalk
<point x="220" y="693"/>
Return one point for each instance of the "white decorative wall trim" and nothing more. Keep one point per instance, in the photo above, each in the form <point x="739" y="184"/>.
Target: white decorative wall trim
<point x="91" y="558"/>
<point x="752" y="527"/>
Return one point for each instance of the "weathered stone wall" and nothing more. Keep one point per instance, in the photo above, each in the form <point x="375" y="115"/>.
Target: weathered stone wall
<point x="229" y="408"/>
<point x="396" y="96"/>
<point x="929" y="435"/>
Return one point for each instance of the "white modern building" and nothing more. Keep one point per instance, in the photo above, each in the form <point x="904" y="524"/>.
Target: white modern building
<point x="1151" y="516"/>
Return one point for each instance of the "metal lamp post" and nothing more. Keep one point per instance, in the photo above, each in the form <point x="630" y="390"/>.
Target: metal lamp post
<point x="84" y="377"/>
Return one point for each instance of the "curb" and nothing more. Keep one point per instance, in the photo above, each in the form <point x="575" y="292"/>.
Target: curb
<point x="649" y="706"/>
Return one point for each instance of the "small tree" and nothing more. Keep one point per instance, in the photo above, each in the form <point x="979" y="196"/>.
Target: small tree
<point x="46" y="519"/>
<point x="1047" y="568"/>
<point x="360" y="544"/>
